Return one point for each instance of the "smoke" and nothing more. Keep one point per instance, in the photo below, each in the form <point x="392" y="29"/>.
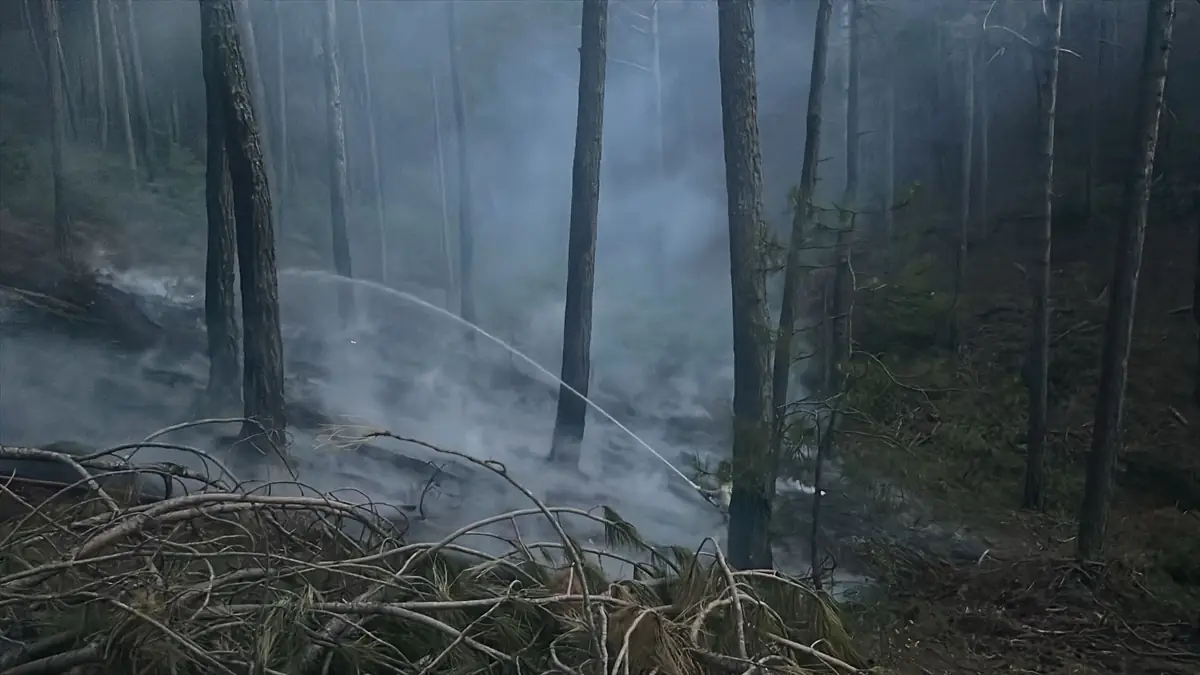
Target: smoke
<point x="661" y="353"/>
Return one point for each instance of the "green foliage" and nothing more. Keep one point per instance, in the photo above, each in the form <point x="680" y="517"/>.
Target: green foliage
<point x="905" y="316"/>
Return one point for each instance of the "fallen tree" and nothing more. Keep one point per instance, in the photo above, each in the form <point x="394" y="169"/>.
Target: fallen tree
<point x="221" y="580"/>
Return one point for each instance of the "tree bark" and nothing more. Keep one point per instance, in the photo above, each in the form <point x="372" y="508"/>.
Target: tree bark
<point x="1096" y="103"/>
<point x="569" y="418"/>
<point x="964" y="205"/>
<point x="101" y="75"/>
<point x="122" y="90"/>
<point x="335" y="126"/>
<point x="802" y="217"/>
<point x="139" y="91"/>
<point x="753" y="461"/>
<point x="283" y="173"/>
<point x="53" y="55"/>
<point x="1037" y="371"/>
<point x="262" y="372"/>
<point x="254" y="70"/>
<point x="983" y="212"/>
<point x="466" y="226"/>
<point x="439" y="160"/>
<point x="377" y="182"/>
<point x="889" y="181"/>
<point x="1118" y="334"/>
<point x="221" y="260"/>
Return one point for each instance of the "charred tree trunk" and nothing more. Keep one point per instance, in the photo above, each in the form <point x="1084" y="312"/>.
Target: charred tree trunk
<point x="1118" y="335"/>
<point x="466" y="228"/>
<point x="53" y="56"/>
<point x="122" y="89"/>
<point x="221" y="261"/>
<point x="376" y="180"/>
<point x="964" y="205"/>
<point x="335" y="127"/>
<point x="581" y="247"/>
<point x="101" y="75"/>
<point x="802" y="217"/>
<point x="139" y="91"/>
<point x="262" y="371"/>
<point x="754" y="463"/>
<point x="1037" y="371"/>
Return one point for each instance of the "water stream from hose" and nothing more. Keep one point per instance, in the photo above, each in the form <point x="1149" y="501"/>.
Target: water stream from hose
<point x="408" y="297"/>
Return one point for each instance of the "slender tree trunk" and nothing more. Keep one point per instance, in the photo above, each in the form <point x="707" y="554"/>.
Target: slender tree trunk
<point x="1039" y="346"/>
<point x="889" y="181"/>
<point x="1196" y="292"/>
<point x="70" y="97"/>
<point x="983" y="210"/>
<point x="569" y="418"/>
<point x="1118" y="335"/>
<point x="842" y="295"/>
<point x="466" y="227"/>
<point x="53" y="56"/>
<point x="754" y="463"/>
<point x="439" y="157"/>
<point x="802" y="217"/>
<point x="336" y="135"/>
<point x="658" y="252"/>
<point x="283" y="174"/>
<point x="964" y="204"/>
<point x="122" y="89"/>
<point x="1094" y="111"/>
<point x="220" y="275"/>
<point x="139" y="90"/>
<point x="254" y="65"/>
<point x="101" y="75"/>
<point x="376" y="180"/>
<point x="262" y="372"/>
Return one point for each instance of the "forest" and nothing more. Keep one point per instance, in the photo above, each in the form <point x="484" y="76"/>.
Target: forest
<point x="654" y="337"/>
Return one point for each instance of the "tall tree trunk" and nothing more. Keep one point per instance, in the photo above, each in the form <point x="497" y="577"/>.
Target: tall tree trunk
<point x="983" y="212"/>
<point x="101" y="75"/>
<point x="70" y="99"/>
<point x="220" y="274"/>
<point x="964" y="204"/>
<point x="439" y="160"/>
<point x="283" y="173"/>
<point x="658" y="252"/>
<point x="1094" y="111"/>
<point x="122" y="89"/>
<point x="802" y="217"/>
<point x="569" y="418"/>
<point x="335" y="127"/>
<point x="466" y="227"/>
<point x="1037" y="371"/>
<point x="54" y="84"/>
<point x="1118" y="334"/>
<point x="376" y="180"/>
<point x="139" y="91"/>
<point x="753" y="464"/>
<point x="245" y="16"/>
<point x="889" y="161"/>
<point x="262" y="371"/>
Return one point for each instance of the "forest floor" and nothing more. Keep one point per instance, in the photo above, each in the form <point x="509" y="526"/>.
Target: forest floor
<point x="947" y="427"/>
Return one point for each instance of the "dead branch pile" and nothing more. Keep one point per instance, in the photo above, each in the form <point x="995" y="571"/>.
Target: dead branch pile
<point x="229" y="581"/>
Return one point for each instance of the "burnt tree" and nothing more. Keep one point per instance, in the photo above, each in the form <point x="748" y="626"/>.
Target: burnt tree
<point x="221" y="259"/>
<point x="581" y="247"/>
<point x="262" y="371"/>
<point x="1038" y="365"/>
<point x="753" y="465"/>
<point x="1118" y="333"/>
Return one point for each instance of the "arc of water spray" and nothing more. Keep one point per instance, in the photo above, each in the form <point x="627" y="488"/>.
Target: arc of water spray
<point x="510" y="349"/>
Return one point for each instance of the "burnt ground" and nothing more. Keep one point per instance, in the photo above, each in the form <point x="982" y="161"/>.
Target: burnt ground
<point x="948" y="428"/>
